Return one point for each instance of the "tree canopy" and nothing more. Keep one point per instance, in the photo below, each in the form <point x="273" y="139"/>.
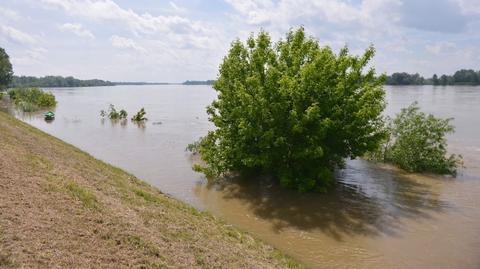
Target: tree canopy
<point x="293" y="110"/>
<point x="6" y="71"/>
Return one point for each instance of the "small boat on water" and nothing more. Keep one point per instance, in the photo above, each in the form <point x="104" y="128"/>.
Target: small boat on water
<point x="49" y="115"/>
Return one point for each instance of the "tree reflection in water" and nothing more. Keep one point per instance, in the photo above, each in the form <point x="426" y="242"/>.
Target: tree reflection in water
<point x="368" y="200"/>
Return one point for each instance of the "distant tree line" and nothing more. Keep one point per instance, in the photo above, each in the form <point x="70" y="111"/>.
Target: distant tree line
<point x="198" y="82"/>
<point x="461" y="77"/>
<point x="141" y="83"/>
<point x="56" y="81"/>
<point x="59" y="81"/>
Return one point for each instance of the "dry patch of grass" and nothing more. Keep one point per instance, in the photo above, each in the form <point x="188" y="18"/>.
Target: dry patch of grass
<point x="6" y="261"/>
<point x="62" y="208"/>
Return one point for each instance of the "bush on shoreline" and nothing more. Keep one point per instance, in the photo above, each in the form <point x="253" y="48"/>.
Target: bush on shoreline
<point x="31" y="99"/>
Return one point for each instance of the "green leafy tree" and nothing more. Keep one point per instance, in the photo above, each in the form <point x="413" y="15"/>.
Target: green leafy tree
<point x="417" y="143"/>
<point x="293" y="110"/>
<point x="6" y="72"/>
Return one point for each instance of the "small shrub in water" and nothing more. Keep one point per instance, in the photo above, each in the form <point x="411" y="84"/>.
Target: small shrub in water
<point x="416" y="142"/>
<point x="140" y="116"/>
<point x="113" y="113"/>
<point x="123" y="114"/>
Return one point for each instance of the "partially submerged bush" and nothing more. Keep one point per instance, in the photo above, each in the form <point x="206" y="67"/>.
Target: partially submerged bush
<point x="140" y="116"/>
<point x="32" y="99"/>
<point x="293" y="110"/>
<point x="416" y="142"/>
<point x="194" y="147"/>
<point x="113" y="113"/>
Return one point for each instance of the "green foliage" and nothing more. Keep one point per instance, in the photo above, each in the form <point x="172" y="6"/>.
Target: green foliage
<point x="194" y="147"/>
<point x="140" y="116"/>
<point x="123" y="114"/>
<point x="46" y="100"/>
<point x="31" y="99"/>
<point x="293" y="110"/>
<point x="416" y="142"/>
<point x="6" y="71"/>
<point x="113" y="113"/>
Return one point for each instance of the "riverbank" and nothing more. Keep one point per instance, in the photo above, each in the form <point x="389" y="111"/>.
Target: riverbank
<point x="62" y="208"/>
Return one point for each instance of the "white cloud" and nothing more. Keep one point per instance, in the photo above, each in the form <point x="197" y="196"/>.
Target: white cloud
<point x="77" y="29"/>
<point x="125" y="43"/>
<point x="8" y="13"/>
<point x="109" y="10"/>
<point x="30" y="57"/>
<point x="174" y="29"/>
<point x="16" y="35"/>
<point x="176" y="8"/>
<point x="469" y="6"/>
<point x="259" y="12"/>
<point x="440" y="47"/>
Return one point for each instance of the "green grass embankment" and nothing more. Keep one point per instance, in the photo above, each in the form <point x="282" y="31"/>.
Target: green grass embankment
<point x="62" y="208"/>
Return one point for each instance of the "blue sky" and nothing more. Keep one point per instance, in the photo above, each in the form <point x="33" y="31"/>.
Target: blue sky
<point x="154" y="40"/>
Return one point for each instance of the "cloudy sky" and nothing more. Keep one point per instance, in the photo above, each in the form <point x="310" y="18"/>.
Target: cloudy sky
<point x="171" y="41"/>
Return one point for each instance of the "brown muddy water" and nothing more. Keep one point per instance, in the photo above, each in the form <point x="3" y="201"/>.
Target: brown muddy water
<point x="377" y="217"/>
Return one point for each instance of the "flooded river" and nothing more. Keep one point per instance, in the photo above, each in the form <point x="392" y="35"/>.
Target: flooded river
<point x="377" y="217"/>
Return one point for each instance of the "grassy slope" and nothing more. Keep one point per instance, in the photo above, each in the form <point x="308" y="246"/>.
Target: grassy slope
<point x="61" y="208"/>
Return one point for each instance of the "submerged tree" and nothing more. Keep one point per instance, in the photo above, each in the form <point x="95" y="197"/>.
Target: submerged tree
<point x="293" y="110"/>
<point x="6" y="72"/>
